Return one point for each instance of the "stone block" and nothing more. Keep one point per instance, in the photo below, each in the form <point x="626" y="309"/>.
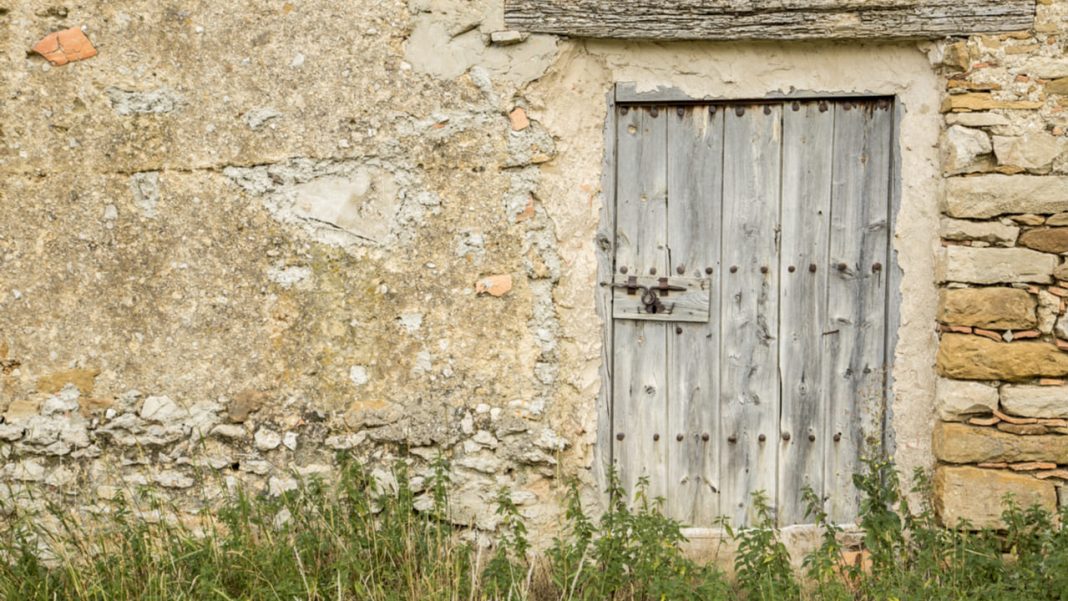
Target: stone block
<point x="966" y="357"/>
<point x="962" y="146"/>
<point x="978" y="495"/>
<point x="1058" y="86"/>
<point x="1044" y="67"/>
<point x="959" y="443"/>
<point x="984" y="119"/>
<point x="996" y="265"/>
<point x="980" y="101"/>
<point x="987" y="196"/>
<point x="990" y="308"/>
<point x="1046" y="239"/>
<point x="1035" y="401"/>
<point x="993" y="232"/>
<point x="957" y="400"/>
<point x="1033" y="152"/>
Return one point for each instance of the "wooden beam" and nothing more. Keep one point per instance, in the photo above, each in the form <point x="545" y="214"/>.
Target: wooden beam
<point x="768" y="19"/>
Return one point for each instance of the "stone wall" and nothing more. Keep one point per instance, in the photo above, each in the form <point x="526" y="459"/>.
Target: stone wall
<point x="1002" y="396"/>
<point x="246" y="238"/>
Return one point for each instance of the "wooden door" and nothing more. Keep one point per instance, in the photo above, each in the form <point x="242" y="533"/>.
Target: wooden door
<point x="750" y="302"/>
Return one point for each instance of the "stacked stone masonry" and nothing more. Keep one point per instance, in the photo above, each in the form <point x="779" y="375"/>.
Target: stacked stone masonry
<point x="1002" y="394"/>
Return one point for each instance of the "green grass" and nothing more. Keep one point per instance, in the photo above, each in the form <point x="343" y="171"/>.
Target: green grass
<point x="349" y="541"/>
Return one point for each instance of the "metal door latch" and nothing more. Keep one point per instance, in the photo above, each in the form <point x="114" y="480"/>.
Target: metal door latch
<point x="650" y="295"/>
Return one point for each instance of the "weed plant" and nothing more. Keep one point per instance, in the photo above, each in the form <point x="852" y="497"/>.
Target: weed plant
<point x="350" y="540"/>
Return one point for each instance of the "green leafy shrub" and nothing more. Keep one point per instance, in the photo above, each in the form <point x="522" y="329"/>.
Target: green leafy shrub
<point x="354" y="540"/>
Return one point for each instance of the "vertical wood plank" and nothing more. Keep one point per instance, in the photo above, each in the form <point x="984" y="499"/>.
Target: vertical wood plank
<point x="854" y="348"/>
<point x="602" y="462"/>
<point x="640" y="392"/>
<point x="695" y="186"/>
<point x="749" y="350"/>
<point x="808" y="130"/>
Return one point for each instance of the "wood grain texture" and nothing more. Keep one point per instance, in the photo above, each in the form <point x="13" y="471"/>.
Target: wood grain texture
<point x="768" y="19"/>
<point x="605" y="249"/>
<point x="640" y="389"/>
<point x="779" y="211"/>
<point x="854" y="347"/>
<point x="808" y="133"/>
<point x="695" y="205"/>
<point x="749" y="369"/>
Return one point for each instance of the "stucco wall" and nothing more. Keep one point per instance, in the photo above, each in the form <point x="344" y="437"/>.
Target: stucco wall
<point x="248" y="236"/>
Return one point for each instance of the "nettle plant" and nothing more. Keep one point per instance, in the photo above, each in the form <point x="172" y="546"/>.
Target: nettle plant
<point x="350" y="539"/>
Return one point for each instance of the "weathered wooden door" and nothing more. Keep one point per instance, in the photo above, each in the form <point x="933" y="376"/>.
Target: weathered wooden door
<point x="750" y="301"/>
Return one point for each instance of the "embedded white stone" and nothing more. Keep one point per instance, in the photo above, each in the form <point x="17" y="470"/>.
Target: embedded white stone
<point x="1034" y="151"/>
<point x="161" y="409"/>
<point x="64" y="401"/>
<point x="231" y="431"/>
<point x="985" y="196"/>
<point x="289" y="441"/>
<point x="173" y="479"/>
<point x="957" y="400"/>
<point x="345" y="442"/>
<point x="993" y="232"/>
<point x="1035" y="401"/>
<point x="411" y="321"/>
<point x="996" y="265"/>
<point x="358" y="374"/>
<point x="267" y="439"/>
<point x="962" y="146"/>
<point x="277" y="486"/>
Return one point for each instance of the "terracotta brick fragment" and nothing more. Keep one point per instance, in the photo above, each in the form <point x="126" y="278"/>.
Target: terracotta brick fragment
<point x="1062" y="474"/>
<point x="62" y="47"/>
<point x="984" y="421"/>
<point x="1030" y="466"/>
<point x="1051" y="382"/>
<point x="994" y="465"/>
<point x="494" y="285"/>
<point x="519" y="119"/>
<point x="1014" y="420"/>
<point x="527" y="212"/>
<point x="1053" y="422"/>
<point x="1009" y="169"/>
<point x="991" y="334"/>
<point x="1025" y="334"/>
<point x="978" y="86"/>
<point x="1058" y="291"/>
<point x="1023" y="429"/>
<point x="957" y="329"/>
<point x="1062" y="344"/>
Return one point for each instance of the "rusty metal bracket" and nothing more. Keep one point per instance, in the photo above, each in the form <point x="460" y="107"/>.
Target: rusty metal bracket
<point x="650" y="295"/>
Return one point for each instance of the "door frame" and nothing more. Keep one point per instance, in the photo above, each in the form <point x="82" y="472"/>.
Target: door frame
<point x="627" y="94"/>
